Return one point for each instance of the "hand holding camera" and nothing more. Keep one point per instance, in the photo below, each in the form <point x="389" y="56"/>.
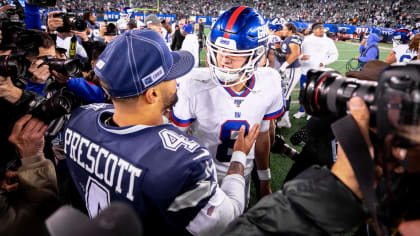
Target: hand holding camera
<point x="28" y="136"/>
<point x="83" y="35"/>
<point x="8" y="90"/>
<point x="54" y="22"/>
<point x="40" y="72"/>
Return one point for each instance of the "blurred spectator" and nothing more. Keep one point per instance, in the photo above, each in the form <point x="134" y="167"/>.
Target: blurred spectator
<point x="368" y="50"/>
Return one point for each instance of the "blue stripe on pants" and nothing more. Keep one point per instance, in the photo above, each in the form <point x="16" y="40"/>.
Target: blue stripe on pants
<point x="302" y="82"/>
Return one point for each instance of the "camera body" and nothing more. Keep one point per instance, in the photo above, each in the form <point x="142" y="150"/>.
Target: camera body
<point x="71" y="21"/>
<point x="16" y="66"/>
<point x="111" y="29"/>
<point x="393" y="100"/>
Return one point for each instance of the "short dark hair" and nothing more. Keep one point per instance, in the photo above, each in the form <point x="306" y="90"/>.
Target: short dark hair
<point x="47" y="41"/>
<point x="292" y="27"/>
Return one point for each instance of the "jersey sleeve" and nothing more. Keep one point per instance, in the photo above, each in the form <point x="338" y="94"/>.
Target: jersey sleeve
<point x="198" y="189"/>
<point x="276" y="107"/>
<point x="182" y="114"/>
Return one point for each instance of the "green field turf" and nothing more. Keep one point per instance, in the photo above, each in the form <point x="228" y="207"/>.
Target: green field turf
<point x="280" y="165"/>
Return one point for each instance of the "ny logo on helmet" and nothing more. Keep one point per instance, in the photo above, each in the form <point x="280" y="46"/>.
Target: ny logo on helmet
<point x="262" y="31"/>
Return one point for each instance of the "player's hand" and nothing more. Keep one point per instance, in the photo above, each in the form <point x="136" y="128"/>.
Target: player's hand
<point x="244" y="144"/>
<point x="40" y="73"/>
<point x="356" y="58"/>
<point x="265" y="188"/>
<point x="28" y="136"/>
<point x="54" y="22"/>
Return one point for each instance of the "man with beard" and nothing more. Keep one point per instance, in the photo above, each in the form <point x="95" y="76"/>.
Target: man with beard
<point x="124" y="152"/>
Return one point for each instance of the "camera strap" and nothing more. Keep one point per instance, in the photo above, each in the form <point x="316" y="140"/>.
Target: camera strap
<point x="354" y="146"/>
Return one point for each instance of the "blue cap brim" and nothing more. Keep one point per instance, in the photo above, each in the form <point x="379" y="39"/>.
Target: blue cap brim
<point x="183" y="62"/>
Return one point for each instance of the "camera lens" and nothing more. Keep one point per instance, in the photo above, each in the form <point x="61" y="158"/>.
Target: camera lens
<point x="15" y="66"/>
<point x="327" y="92"/>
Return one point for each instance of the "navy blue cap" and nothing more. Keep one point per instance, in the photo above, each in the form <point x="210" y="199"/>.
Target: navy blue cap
<point x="137" y="60"/>
<point x="188" y="28"/>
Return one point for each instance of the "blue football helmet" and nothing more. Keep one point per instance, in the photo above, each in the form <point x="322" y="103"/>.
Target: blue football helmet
<point x="240" y="31"/>
<point x="127" y="13"/>
<point x="401" y="36"/>
<point x="275" y="25"/>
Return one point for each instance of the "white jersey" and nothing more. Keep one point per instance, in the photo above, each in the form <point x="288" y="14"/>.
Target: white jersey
<point x="403" y="54"/>
<point x="319" y="50"/>
<point x="122" y="24"/>
<point x="217" y="113"/>
<point x="191" y="45"/>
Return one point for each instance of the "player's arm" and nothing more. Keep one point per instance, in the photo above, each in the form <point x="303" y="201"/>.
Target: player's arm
<point x="262" y="159"/>
<point x="293" y="56"/>
<point x="294" y="53"/>
<point x="271" y="58"/>
<point x="332" y="54"/>
<point x="228" y="201"/>
<point x="391" y="58"/>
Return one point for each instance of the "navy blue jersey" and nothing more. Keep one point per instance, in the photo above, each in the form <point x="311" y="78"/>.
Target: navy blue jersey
<point x="165" y="175"/>
<point x="285" y="49"/>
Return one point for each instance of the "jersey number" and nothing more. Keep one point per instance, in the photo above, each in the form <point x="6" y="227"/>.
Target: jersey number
<point x="405" y="58"/>
<point x="228" y="134"/>
<point x="96" y="197"/>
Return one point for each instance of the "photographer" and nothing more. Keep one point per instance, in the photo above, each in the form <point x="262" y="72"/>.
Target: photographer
<point x="65" y="33"/>
<point x="28" y="195"/>
<point x="379" y="166"/>
<point x="329" y="205"/>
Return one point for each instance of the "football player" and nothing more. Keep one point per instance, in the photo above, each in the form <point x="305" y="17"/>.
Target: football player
<point x="233" y="93"/>
<point x="124" y="152"/>
<point x="274" y="43"/>
<point x="290" y="67"/>
<point x="125" y="15"/>
<point x="400" y="52"/>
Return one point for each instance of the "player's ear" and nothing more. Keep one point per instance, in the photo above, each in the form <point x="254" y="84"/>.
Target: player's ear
<point x="152" y="95"/>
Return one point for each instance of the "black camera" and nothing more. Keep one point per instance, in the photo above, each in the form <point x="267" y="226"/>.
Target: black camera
<point x="393" y="100"/>
<point x="61" y="103"/>
<point x="111" y="29"/>
<point x="69" y="67"/>
<point x="71" y="21"/>
<point x="16" y="66"/>
<point x="42" y="3"/>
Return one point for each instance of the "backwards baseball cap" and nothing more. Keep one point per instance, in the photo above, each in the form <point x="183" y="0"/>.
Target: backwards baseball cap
<point x="152" y="19"/>
<point x="138" y="60"/>
<point x="188" y="28"/>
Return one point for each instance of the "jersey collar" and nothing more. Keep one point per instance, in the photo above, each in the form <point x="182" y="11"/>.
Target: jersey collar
<point x="244" y="93"/>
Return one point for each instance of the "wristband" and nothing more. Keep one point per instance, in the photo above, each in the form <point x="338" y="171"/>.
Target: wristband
<point x="264" y="174"/>
<point x="240" y="157"/>
<point x="284" y="66"/>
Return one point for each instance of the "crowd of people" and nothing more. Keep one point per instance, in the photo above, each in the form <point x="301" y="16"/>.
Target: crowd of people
<point x="122" y="123"/>
<point x="375" y="13"/>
